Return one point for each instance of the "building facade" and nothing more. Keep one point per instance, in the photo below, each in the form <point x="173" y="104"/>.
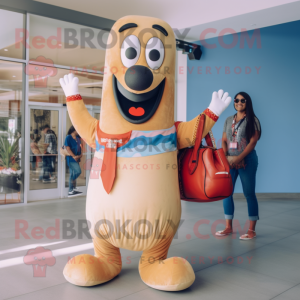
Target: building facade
<point x="35" y="51"/>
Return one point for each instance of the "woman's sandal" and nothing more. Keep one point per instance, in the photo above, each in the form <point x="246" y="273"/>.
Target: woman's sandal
<point x="247" y="236"/>
<point x="221" y="233"/>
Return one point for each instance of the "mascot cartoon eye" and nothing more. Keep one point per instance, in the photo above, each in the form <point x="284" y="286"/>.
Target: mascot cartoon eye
<point x="130" y="51"/>
<point x="155" y="53"/>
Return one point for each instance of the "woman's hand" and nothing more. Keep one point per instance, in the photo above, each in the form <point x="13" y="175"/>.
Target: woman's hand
<point x="78" y="157"/>
<point x="235" y="162"/>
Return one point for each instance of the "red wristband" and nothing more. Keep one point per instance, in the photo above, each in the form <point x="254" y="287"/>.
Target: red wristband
<point x="211" y="115"/>
<point x="74" y="98"/>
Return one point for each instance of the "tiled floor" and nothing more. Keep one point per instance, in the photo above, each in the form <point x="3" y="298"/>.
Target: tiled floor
<point x="267" y="267"/>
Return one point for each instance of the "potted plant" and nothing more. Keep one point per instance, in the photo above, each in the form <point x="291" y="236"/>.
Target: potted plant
<point x="10" y="173"/>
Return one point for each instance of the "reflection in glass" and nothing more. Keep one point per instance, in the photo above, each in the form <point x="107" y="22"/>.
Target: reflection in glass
<point x="11" y="121"/>
<point x="67" y="44"/>
<point x="43" y="149"/>
<point x="44" y="85"/>
<point x="12" y="38"/>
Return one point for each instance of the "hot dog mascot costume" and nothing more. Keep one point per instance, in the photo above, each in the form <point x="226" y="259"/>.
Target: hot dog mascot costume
<point x="134" y="201"/>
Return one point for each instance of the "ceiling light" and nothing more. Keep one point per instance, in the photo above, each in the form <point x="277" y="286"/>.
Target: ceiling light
<point x="186" y="49"/>
<point x="5" y="49"/>
<point x="192" y="50"/>
<point x="14" y="75"/>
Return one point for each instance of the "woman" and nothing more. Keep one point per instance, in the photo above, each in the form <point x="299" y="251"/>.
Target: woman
<point x="240" y="135"/>
<point x="37" y="157"/>
<point x="73" y="146"/>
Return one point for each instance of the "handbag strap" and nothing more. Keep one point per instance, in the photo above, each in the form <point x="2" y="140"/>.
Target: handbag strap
<point x="209" y="138"/>
<point x="210" y="141"/>
<point x="193" y="163"/>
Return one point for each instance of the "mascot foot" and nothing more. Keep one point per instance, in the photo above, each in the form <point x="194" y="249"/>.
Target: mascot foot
<point x="88" y="270"/>
<point x="171" y="274"/>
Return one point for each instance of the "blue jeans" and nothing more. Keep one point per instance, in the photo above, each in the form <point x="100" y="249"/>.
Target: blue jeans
<point x="75" y="171"/>
<point x="248" y="176"/>
<point x="46" y="168"/>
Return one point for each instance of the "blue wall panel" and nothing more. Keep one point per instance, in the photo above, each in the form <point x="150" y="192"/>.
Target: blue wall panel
<point x="275" y="91"/>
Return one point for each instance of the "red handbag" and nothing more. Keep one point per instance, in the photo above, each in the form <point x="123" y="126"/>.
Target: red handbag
<point x="204" y="172"/>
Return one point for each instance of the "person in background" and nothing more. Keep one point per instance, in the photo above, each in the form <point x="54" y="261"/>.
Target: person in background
<point x="50" y="144"/>
<point x="240" y="135"/>
<point x="32" y="155"/>
<point x="73" y="146"/>
<point x="53" y="158"/>
<point x="36" y="156"/>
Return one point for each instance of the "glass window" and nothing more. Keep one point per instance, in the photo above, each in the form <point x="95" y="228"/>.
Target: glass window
<point x="44" y="85"/>
<point x="12" y="37"/>
<point x="11" y="138"/>
<point x="67" y="44"/>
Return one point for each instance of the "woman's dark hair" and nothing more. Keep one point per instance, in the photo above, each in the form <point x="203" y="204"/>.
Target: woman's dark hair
<point x="250" y="116"/>
<point x="71" y="130"/>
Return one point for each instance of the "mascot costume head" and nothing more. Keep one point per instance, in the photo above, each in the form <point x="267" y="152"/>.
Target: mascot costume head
<point x="139" y="94"/>
<point x="133" y="199"/>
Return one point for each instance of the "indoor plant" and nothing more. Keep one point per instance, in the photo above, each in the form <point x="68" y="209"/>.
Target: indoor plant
<point x="10" y="173"/>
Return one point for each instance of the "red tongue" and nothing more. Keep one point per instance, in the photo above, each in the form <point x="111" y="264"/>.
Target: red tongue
<point x="136" y="111"/>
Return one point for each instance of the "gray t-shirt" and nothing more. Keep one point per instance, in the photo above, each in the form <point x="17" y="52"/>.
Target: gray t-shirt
<point x="240" y="137"/>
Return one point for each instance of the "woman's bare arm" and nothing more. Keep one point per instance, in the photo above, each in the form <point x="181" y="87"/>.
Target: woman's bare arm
<point x="250" y="146"/>
<point x="224" y="143"/>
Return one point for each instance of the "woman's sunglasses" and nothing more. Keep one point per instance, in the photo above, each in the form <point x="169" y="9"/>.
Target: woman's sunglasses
<point x="238" y="100"/>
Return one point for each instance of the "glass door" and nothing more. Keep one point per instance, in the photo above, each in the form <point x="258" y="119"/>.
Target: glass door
<point x="45" y="162"/>
<point x="49" y="173"/>
<point x="97" y="115"/>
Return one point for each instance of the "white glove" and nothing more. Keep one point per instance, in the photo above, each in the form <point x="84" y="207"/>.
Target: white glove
<point x="219" y="102"/>
<point x="69" y="84"/>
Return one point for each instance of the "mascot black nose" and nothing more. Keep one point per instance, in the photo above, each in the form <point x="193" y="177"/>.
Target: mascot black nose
<point x="138" y="78"/>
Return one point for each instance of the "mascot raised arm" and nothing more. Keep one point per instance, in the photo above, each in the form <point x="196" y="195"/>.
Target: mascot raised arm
<point x="134" y="201"/>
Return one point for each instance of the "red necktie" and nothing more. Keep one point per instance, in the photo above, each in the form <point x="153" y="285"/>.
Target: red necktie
<point x="111" y="142"/>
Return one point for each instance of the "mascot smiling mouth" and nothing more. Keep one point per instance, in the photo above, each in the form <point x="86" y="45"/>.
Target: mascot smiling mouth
<point x="137" y="108"/>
